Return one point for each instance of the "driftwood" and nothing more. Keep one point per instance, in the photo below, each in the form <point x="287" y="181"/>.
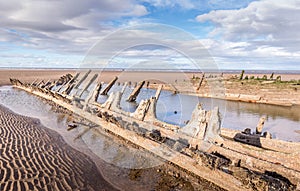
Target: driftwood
<point x="135" y="92"/>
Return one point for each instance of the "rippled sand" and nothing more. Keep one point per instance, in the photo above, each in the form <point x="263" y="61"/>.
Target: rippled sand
<point x="33" y="157"/>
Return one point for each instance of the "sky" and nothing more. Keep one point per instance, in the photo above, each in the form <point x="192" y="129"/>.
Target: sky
<point x="151" y="34"/>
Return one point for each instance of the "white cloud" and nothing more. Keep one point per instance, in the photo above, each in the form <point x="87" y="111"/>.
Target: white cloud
<point x="263" y="22"/>
<point x="62" y="25"/>
<point x="264" y="29"/>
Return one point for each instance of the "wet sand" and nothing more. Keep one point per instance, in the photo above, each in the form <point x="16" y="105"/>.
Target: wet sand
<point x="36" y="158"/>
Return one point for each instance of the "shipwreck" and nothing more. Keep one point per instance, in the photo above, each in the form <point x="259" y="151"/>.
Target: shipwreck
<point x="231" y="159"/>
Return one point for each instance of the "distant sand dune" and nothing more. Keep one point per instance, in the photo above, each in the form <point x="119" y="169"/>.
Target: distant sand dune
<point x="35" y="158"/>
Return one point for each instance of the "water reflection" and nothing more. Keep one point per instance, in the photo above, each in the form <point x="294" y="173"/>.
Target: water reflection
<point x="282" y="122"/>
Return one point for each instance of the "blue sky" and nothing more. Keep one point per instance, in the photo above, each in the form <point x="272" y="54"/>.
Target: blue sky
<point x="235" y="34"/>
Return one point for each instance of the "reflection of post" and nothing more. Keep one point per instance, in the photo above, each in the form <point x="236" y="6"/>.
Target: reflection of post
<point x="124" y="87"/>
<point x="88" y="85"/>
<point x="109" y="86"/>
<point x="260" y="125"/>
<point x="82" y="79"/>
<point x="135" y="92"/>
<point x="175" y="91"/>
<point x="201" y="81"/>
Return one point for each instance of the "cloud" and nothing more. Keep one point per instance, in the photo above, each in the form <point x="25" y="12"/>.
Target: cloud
<point x="185" y="4"/>
<point x="228" y="4"/>
<point x="199" y="4"/>
<point x="265" y="29"/>
<point x="64" y="25"/>
<point x="266" y="22"/>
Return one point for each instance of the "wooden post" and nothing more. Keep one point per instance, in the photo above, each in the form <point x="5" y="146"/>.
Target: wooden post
<point x="260" y="125"/>
<point x="67" y="84"/>
<point x="109" y="86"/>
<point x="97" y="91"/>
<point x="34" y="82"/>
<point x="201" y="81"/>
<point x="157" y="94"/>
<point x="82" y="79"/>
<point x="69" y="89"/>
<point x="135" y="92"/>
<point x="41" y="82"/>
<point x="88" y="85"/>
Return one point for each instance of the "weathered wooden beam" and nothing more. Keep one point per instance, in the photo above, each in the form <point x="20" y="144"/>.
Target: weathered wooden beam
<point x="46" y="84"/>
<point x="82" y="79"/>
<point x="245" y="162"/>
<point x="68" y="90"/>
<point x="51" y="85"/>
<point x="40" y="83"/>
<point x="109" y="86"/>
<point x="88" y="84"/>
<point x="158" y="91"/>
<point x="135" y="92"/>
<point x="93" y="96"/>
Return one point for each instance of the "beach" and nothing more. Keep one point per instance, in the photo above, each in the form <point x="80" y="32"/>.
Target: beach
<point x="30" y="75"/>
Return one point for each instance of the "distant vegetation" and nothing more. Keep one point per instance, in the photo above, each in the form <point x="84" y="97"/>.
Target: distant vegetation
<point x="272" y="78"/>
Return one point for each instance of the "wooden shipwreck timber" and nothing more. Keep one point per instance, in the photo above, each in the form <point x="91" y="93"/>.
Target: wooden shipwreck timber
<point x="231" y="159"/>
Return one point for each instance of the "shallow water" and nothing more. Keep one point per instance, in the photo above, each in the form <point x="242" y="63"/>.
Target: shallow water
<point x="282" y="122"/>
<point x="117" y="158"/>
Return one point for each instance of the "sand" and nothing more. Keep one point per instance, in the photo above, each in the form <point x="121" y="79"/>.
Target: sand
<point x="30" y="75"/>
<point x="36" y="158"/>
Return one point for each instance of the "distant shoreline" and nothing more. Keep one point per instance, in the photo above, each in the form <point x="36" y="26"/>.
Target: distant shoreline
<point x="227" y="71"/>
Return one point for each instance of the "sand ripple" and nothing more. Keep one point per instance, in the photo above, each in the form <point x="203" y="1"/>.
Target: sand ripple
<point x="33" y="157"/>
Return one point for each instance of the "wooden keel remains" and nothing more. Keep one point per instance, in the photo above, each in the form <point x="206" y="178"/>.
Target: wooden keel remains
<point x="201" y="147"/>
